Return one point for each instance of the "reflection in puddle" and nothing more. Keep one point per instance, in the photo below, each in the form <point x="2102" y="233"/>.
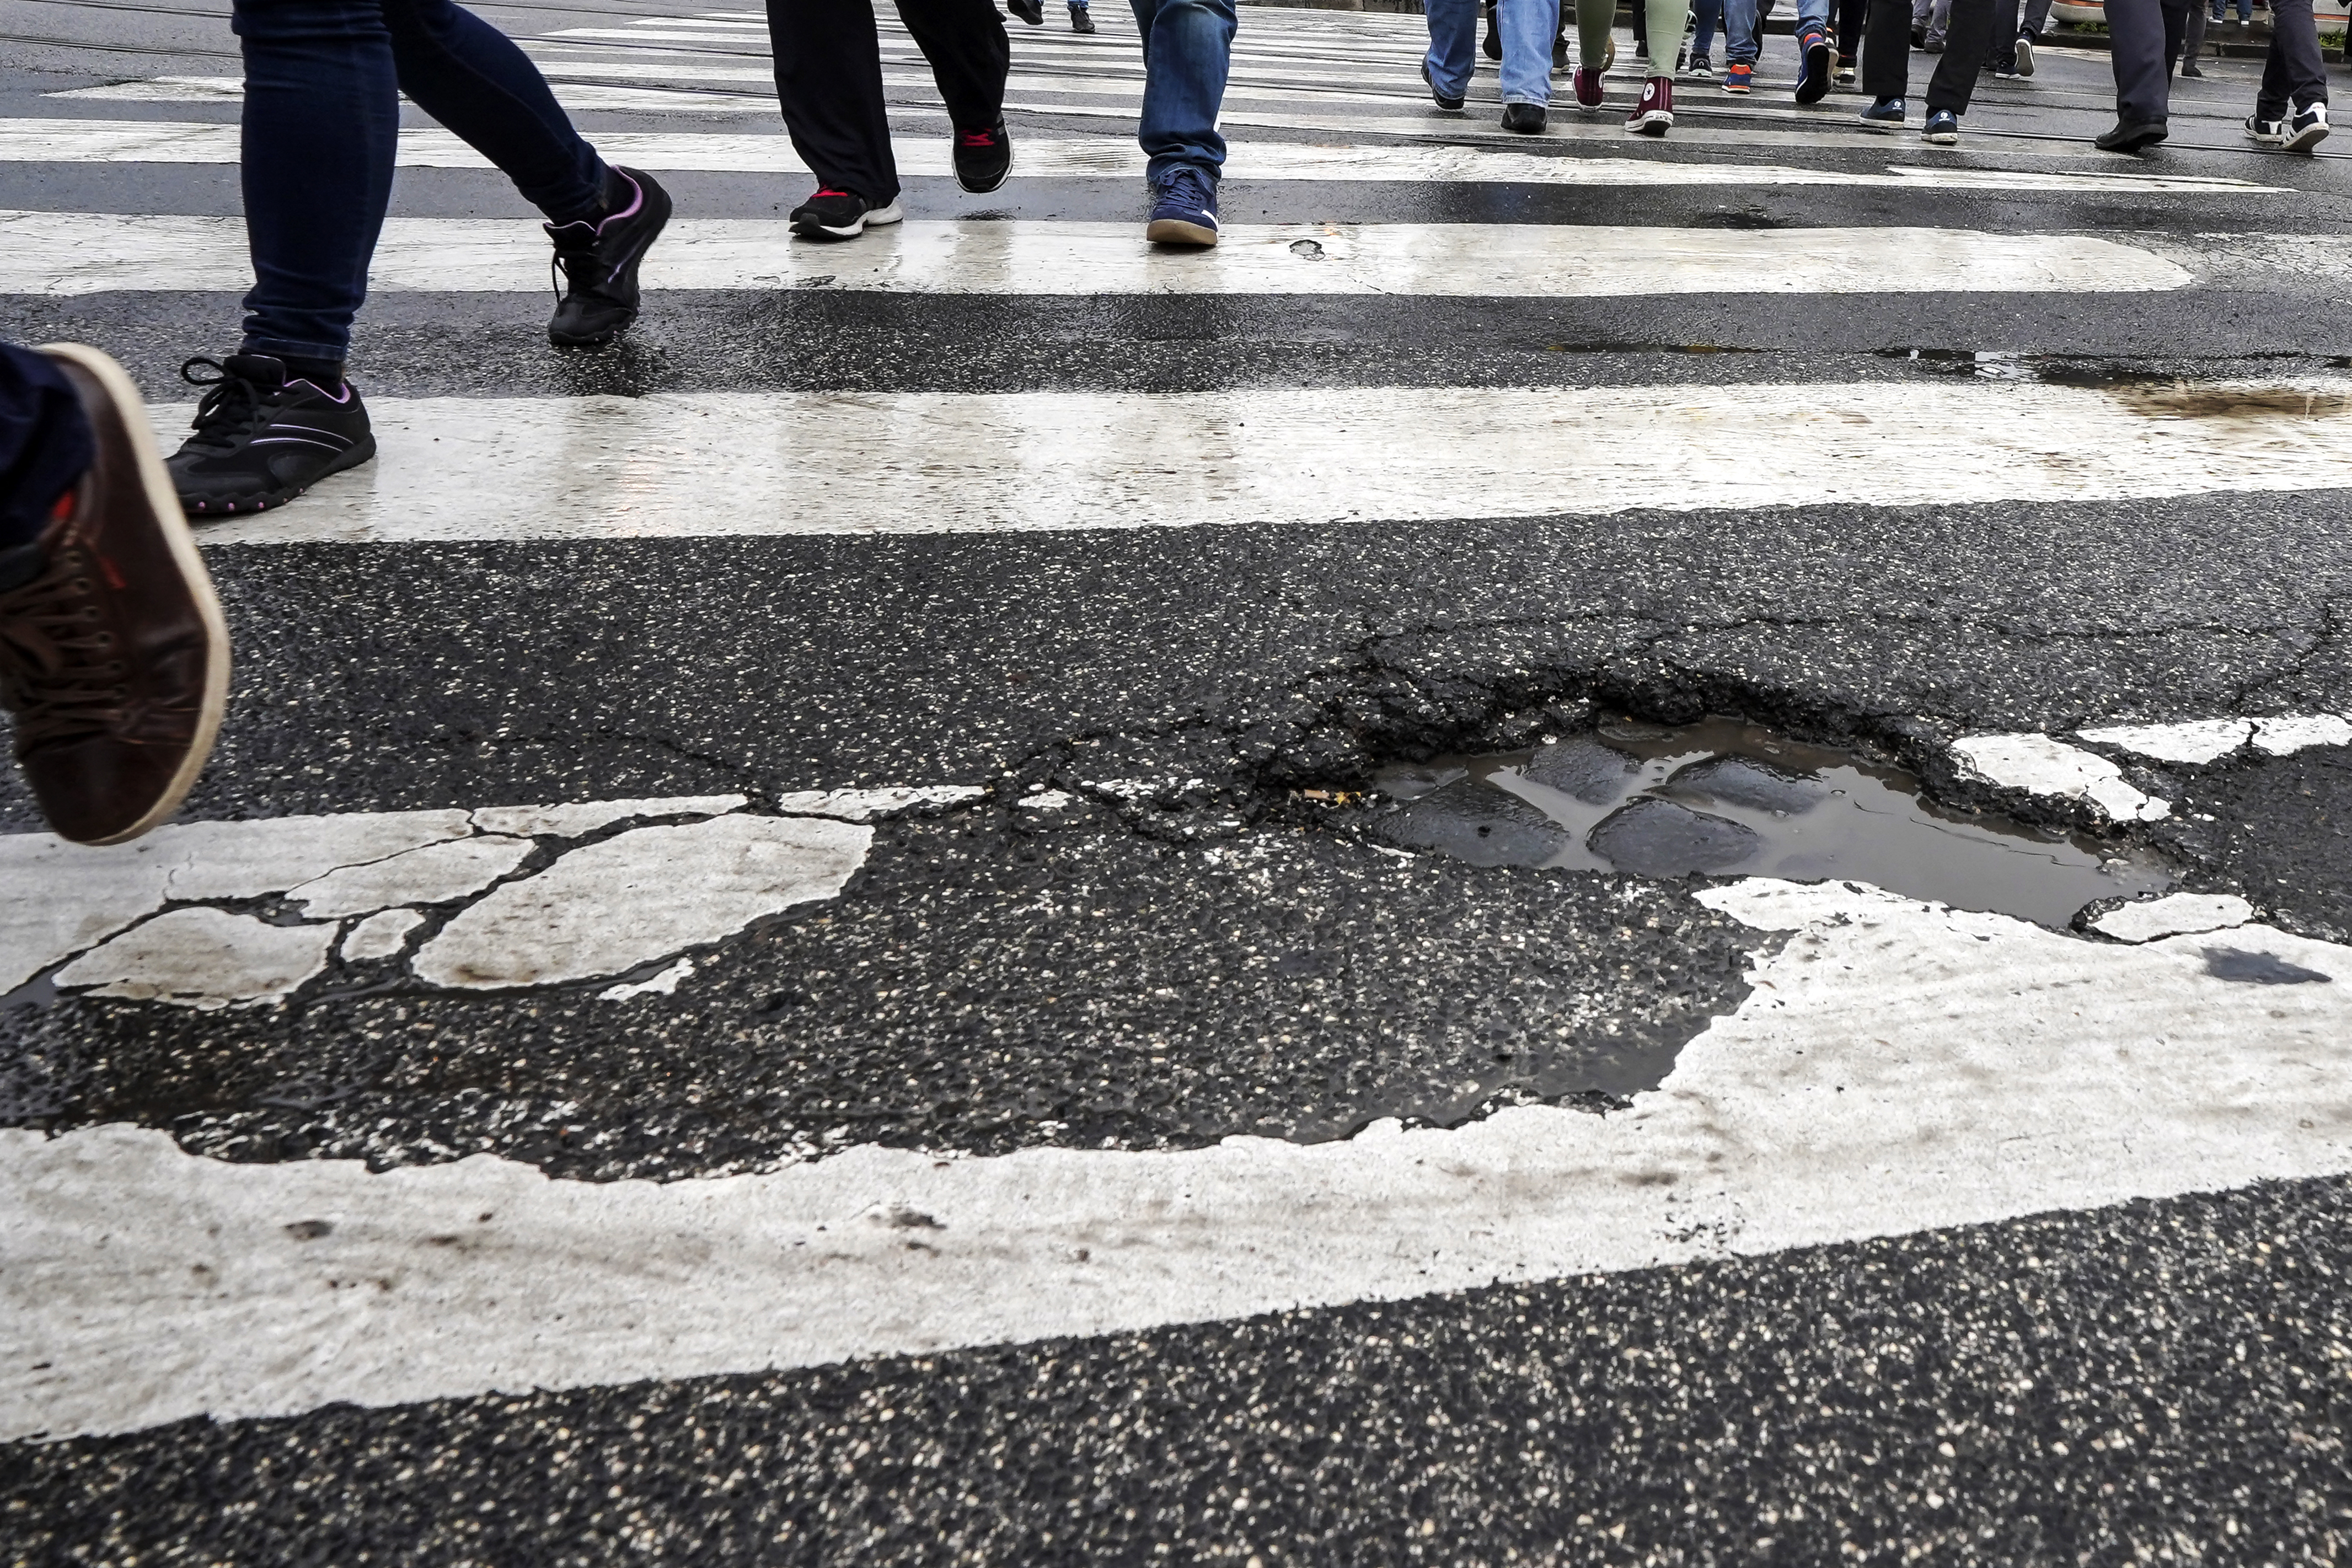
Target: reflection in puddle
<point x="1725" y="797"/>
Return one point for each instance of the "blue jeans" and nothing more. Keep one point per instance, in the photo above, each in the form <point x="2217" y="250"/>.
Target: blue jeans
<point x="1188" y="50"/>
<point x="44" y="442"/>
<point x="322" y="85"/>
<point x="1709" y="16"/>
<point x="1741" y="35"/>
<point x="1527" y="29"/>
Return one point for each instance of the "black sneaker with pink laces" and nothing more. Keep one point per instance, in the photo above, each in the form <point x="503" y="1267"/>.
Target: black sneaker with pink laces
<point x="832" y="215"/>
<point x="983" y="158"/>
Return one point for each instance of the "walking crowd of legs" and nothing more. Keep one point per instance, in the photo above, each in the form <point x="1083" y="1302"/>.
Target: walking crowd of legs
<point x="114" y="651"/>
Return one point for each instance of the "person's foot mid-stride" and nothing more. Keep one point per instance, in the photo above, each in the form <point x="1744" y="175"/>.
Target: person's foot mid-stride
<point x="1188" y="49"/>
<point x="1184" y="211"/>
<point x="263" y="435"/>
<point x="113" y="655"/>
<point x="1526" y="36"/>
<point x="1653" y="114"/>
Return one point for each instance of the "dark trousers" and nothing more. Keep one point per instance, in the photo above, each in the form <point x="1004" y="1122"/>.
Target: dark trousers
<point x="2144" y="40"/>
<point x="1847" y="18"/>
<point x="2296" y="73"/>
<point x="829" y="77"/>
<point x="1887" y="54"/>
<point x="44" y="442"/>
<point x="323" y="86"/>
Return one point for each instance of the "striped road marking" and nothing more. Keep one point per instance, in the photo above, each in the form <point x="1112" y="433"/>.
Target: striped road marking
<point x="1897" y="1067"/>
<point x="1103" y="157"/>
<point x="86" y="253"/>
<point x="675" y="464"/>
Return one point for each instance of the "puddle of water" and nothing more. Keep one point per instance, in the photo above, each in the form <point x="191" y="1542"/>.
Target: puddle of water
<point x="1725" y="797"/>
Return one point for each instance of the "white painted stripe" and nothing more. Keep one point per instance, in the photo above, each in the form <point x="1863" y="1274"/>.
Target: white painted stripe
<point x="541" y="468"/>
<point x="744" y="464"/>
<point x="1897" y="1068"/>
<point x="558" y="65"/>
<point x="1102" y="157"/>
<point x="83" y="253"/>
<point x="576" y="96"/>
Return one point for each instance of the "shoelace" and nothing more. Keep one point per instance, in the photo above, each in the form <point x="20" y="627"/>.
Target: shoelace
<point x="975" y="139"/>
<point x="54" y="655"/>
<point x="230" y="406"/>
<point x="575" y="268"/>
<point x="1190" y="184"/>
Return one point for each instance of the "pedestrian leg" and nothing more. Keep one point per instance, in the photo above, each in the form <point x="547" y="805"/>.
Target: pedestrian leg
<point x="829" y="81"/>
<point x="1188" y="47"/>
<point x="1653" y="112"/>
<point x="1528" y="26"/>
<point x="964" y="42"/>
<point x="1967" y="43"/>
<point x="1739" y="33"/>
<point x="1452" y="42"/>
<point x="2294" y="92"/>
<point x="2193" y="40"/>
<point x="1885" y="66"/>
<point x="2136" y="36"/>
<point x="1710" y="15"/>
<point x="1850" y="15"/>
<point x="113" y="655"/>
<point x="470" y="76"/>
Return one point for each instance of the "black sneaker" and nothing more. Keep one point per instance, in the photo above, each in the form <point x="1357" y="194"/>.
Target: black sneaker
<point x="1082" y="19"/>
<point x="261" y="440"/>
<point x="1030" y="11"/>
<point x="2024" y="57"/>
<point x="1493" y="44"/>
<point x="1524" y="118"/>
<point x="598" y="265"/>
<point x="2306" y="128"/>
<point x="840" y="215"/>
<point x="982" y="159"/>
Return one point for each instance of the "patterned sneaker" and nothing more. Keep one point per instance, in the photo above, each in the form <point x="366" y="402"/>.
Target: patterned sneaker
<point x="1738" y="76"/>
<point x="1589" y="95"/>
<point x="1654" y="115"/>
<point x="1943" y="128"/>
<point x="2306" y="129"/>
<point x="1186" y="210"/>
<point x="2265" y="132"/>
<point x="1703" y="69"/>
<point x="261" y="440"/>
<point x="1814" y="64"/>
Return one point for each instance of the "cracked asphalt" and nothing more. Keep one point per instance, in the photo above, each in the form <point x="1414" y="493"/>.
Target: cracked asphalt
<point x="1199" y="948"/>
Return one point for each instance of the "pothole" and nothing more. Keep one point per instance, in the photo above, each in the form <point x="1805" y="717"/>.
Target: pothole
<point x="1725" y="798"/>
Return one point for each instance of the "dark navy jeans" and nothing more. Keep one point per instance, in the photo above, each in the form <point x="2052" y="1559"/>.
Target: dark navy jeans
<point x="1188" y="50"/>
<point x="323" y="86"/>
<point x="44" y="442"/>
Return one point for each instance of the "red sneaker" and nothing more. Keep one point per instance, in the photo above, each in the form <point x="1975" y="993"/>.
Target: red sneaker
<point x="1588" y="89"/>
<point x="1654" y="115"/>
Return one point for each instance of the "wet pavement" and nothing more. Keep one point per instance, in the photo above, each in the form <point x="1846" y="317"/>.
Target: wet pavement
<point x="1514" y="1036"/>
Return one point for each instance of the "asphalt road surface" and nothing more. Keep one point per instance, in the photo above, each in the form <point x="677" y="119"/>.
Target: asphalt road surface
<point x="834" y="935"/>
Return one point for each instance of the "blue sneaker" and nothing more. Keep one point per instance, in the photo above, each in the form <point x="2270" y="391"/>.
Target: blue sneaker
<point x="1884" y="114"/>
<point x="1813" y="73"/>
<point x="1943" y="128"/>
<point x="1186" y="212"/>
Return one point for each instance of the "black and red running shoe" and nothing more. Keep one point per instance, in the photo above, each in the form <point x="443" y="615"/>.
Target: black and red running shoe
<point x="832" y="215"/>
<point x="984" y="158"/>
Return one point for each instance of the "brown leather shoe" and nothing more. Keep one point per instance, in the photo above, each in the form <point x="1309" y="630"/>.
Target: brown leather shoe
<point x="114" y="657"/>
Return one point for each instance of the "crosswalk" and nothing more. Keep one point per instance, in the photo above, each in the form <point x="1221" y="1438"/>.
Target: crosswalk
<point x="821" y="836"/>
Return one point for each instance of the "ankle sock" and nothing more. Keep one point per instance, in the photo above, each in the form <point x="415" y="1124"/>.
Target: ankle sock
<point x="327" y="376"/>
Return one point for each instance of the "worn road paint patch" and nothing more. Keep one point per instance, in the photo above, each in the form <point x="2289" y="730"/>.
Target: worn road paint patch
<point x="571" y="467"/>
<point x="2041" y="766"/>
<point x="2174" y="914"/>
<point x="610" y="907"/>
<point x="83" y="253"/>
<point x="1897" y="1067"/>
<point x="584" y="911"/>
<point x="2202" y="741"/>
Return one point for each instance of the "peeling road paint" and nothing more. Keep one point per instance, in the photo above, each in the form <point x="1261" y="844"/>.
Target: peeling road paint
<point x="1897" y="1067"/>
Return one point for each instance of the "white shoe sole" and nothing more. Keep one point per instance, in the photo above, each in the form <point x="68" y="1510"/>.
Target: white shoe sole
<point x="2303" y="140"/>
<point x="875" y="219"/>
<point x="2024" y="57"/>
<point x="156" y="484"/>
